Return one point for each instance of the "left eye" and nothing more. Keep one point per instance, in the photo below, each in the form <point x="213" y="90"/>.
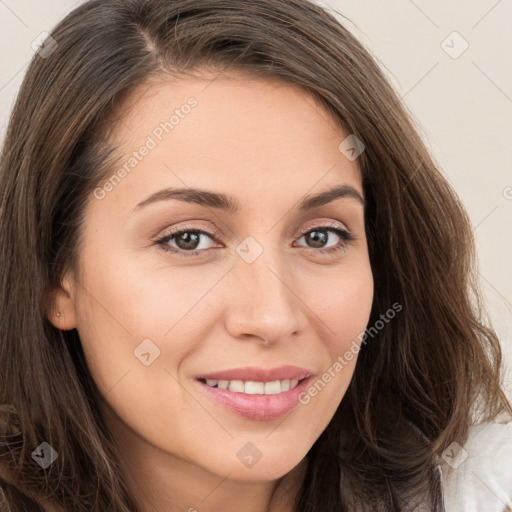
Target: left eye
<point x="188" y="240"/>
<point x="319" y="235"/>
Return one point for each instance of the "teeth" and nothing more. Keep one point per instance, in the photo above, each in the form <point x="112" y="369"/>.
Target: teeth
<point x="254" y="388"/>
<point x="272" y="388"/>
<point x="236" y="385"/>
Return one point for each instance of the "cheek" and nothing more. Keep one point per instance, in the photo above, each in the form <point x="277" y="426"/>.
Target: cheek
<point x="114" y="314"/>
<point x="343" y="303"/>
<point x="129" y="309"/>
<point x="148" y="300"/>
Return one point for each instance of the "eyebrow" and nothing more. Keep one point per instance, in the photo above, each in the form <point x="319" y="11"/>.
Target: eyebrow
<point x="231" y="205"/>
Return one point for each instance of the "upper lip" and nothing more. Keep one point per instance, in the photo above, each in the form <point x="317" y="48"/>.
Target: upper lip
<point x="254" y="374"/>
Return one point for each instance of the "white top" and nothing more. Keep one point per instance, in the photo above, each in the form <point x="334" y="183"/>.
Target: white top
<point x="478" y="476"/>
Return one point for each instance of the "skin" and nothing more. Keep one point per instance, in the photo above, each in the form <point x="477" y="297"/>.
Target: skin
<point x="268" y="145"/>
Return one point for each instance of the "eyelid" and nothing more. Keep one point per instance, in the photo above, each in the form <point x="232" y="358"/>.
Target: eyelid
<point x="211" y="231"/>
<point x="323" y="225"/>
<point x="214" y="232"/>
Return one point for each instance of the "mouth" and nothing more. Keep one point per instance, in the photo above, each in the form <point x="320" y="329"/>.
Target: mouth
<point x="263" y="398"/>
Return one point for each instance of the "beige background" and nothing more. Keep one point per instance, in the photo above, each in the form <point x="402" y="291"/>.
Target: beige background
<point x="463" y="105"/>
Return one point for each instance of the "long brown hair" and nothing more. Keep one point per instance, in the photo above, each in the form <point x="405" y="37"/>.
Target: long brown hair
<point x="419" y="383"/>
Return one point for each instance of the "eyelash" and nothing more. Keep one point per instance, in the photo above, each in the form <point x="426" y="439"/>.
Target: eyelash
<point x="347" y="237"/>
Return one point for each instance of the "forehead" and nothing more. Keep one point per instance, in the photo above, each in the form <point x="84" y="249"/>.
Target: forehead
<point x="232" y="131"/>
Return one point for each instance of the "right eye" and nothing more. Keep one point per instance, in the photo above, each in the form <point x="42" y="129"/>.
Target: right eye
<point x="186" y="239"/>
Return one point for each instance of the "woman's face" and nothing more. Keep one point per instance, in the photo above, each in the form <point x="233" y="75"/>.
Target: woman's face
<point x="266" y="289"/>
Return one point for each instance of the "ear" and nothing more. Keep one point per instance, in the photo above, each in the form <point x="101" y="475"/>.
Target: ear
<point x="61" y="310"/>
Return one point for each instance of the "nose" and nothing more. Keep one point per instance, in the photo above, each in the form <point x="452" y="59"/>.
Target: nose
<point x="264" y="306"/>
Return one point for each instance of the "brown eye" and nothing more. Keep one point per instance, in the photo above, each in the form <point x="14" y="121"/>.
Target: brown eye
<point x="185" y="241"/>
<point x="318" y="237"/>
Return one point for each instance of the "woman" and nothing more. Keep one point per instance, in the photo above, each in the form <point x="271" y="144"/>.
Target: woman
<point x="325" y="349"/>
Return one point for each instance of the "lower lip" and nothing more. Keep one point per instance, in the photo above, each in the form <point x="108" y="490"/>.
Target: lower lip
<point x="258" y="407"/>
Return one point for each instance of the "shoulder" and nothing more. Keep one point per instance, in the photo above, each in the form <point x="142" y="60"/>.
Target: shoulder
<point x="478" y="475"/>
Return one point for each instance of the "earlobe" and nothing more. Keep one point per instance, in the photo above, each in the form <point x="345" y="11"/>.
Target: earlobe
<point x="61" y="312"/>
